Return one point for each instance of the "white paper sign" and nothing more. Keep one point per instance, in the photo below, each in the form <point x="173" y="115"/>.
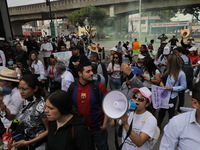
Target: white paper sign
<point x="160" y="97"/>
<point x="64" y="56"/>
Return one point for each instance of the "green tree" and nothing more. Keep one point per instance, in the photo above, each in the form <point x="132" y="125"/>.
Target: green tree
<point x="193" y="11"/>
<point x="88" y="17"/>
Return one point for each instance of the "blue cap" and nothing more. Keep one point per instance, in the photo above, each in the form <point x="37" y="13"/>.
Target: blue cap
<point x="136" y="70"/>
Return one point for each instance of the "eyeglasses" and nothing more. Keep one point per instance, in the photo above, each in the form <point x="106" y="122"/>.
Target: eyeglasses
<point x="140" y="99"/>
<point x="21" y="88"/>
<point x="115" y="57"/>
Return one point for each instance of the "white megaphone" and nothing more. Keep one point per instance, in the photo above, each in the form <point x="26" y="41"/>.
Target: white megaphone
<point x="115" y="104"/>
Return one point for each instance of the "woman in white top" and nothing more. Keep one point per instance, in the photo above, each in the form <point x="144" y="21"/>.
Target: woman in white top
<point x="37" y="66"/>
<point x="2" y="59"/>
<point x="114" y="70"/>
<point x="144" y="124"/>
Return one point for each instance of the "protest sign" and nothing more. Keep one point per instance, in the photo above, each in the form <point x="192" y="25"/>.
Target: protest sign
<point x="64" y="56"/>
<point x="160" y="97"/>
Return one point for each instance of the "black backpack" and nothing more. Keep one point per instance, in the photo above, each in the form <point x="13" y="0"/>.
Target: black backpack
<point x="188" y="70"/>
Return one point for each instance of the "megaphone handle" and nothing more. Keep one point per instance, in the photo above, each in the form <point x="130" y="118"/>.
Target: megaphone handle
<point x="127" y="135"/>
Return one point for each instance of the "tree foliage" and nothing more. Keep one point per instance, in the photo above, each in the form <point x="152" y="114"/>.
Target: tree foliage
<point x="88" y="17"/>
<point x="193" y="11"/>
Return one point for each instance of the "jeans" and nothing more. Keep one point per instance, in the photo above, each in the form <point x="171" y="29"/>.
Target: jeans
<point x="100" y="139"/>
<point x="115" y="84"/>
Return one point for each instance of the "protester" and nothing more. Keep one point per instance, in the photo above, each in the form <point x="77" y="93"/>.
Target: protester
<point x="46" y="48"/>
<point x="66" y="76"/>
<point x="34" y="124"/>
<point x="101" y="68"/>
<point x="162" y="37"/>
<point x="175" y="82"/>
<point x="135" y="47"/>
<point x="182" y="131"/>
<point x="9" y="104"/>
<point x="75" y="60"/>
<point x="87" y="97"/>
<point x="67" y="130"/>
<point x="133" y="75"/>
<point x="54" y="78"/>
<point x="114" y="70"/>
<point x="2" y="58"/>
<point x="151" y="75"/>
<point x="37" y="66"/>
<point x="143" y="122"/>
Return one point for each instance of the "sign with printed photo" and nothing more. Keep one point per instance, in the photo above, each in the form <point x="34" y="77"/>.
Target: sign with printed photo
<point x="64" y="56"/>
<point x="160" y="97"/>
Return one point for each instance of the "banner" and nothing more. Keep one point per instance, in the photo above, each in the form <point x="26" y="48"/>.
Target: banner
<point x="64" y="56"/>
<point x="160" y="97"/>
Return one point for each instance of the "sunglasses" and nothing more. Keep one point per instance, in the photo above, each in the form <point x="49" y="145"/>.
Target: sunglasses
<point x="140" y="99"/>
<point x="115" y="57"/>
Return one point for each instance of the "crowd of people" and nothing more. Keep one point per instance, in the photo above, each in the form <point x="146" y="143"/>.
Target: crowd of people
<point x="60" y="106"/>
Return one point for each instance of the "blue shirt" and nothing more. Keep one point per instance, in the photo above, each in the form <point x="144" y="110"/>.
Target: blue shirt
<point x="183" y="132"/>
<point x="180" y="85"/>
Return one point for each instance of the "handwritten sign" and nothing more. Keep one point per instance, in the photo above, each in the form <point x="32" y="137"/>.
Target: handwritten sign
<point x="64" y="56"/>
<point x="160" y="97"/>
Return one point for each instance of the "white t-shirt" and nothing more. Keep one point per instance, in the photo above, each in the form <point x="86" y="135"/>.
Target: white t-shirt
<point x="66" y="79"/>
<point x="145" y="123"/>
<point x="47" y="46"/>
<point x="117" y="70"/>
<point x="13" y="102"/>
<point x="38" y="68"/>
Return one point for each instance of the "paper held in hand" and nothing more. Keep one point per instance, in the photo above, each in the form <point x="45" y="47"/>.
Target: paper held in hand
<point x="160" y="97"/>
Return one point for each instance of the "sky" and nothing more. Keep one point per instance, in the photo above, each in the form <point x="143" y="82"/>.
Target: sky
<point x="12" y="3"/>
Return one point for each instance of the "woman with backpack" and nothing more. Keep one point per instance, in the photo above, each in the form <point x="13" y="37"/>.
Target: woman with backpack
<point x="67" y="130"/>
<point x="175" y="82"/>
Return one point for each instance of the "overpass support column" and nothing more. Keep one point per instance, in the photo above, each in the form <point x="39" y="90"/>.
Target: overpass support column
<point x="112" y="11"/>
<point x="17" y="29"/>
<point x="5" y="30"/>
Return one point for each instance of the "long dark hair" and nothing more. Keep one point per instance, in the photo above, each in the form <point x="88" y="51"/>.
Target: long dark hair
<point x="33" y="82"/>
<point x="151" y="68"/>
<point x="120" y="59"/>
<point x="61" y="100"/>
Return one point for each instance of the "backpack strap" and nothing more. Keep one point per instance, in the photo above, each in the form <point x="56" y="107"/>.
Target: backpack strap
<point x="94" y="83"/>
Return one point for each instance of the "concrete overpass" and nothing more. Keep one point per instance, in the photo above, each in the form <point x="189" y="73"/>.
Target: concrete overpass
<point x="61" y="9"/>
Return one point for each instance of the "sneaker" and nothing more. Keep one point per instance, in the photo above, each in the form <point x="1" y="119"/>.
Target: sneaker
<point x="190" y="93"/>
<point x="187" y="91"/>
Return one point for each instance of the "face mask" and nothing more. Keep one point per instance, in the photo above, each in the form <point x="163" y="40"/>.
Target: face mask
<point x="10" y="62"/>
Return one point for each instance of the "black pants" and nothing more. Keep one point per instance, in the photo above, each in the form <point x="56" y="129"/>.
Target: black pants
<point x="181" y="96"/>
<point x="171" y="111"/>
<point x="46" y="62"/>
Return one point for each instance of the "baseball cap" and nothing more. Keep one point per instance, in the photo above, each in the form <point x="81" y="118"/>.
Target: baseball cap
<point x="144" y="91"/>
<point x="140" y="56"/>
<point x="113" y="49"/>
<point x="166" y="50"/>
<point x="193" y="48"/>
<point x="136" y="70"/>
